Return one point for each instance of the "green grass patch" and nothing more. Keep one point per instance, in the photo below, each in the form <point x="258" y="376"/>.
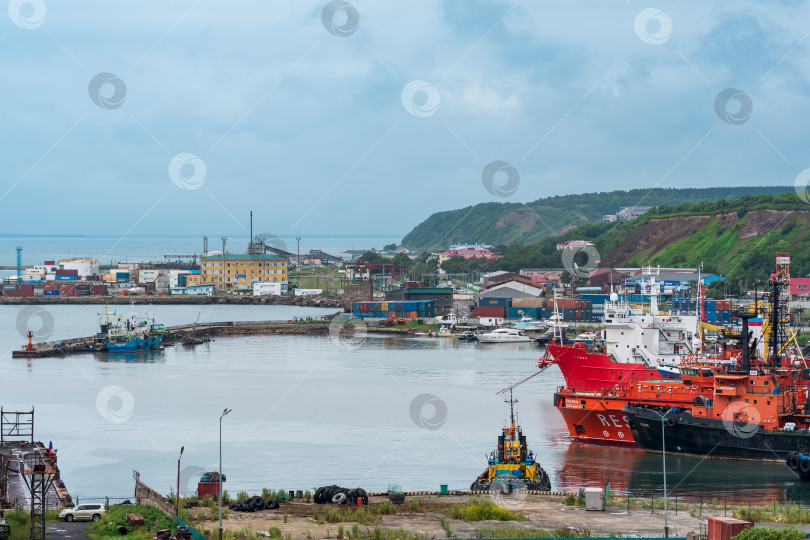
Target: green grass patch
<point x="517" y="532"/>
<point x="483" y="509"/>
<point x="770" y="534"/>
<point x="778" y="513"/>
<point x="153" y="520"/>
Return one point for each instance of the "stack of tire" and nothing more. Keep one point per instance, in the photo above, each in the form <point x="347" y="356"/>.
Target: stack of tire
<point x="799" y="463"/>
<point x="339" y="495"/>
<point x="254" y="504"/>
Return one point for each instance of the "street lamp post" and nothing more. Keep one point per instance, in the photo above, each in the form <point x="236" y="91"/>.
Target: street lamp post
<point x="664" y="462"/>
<point x="178" y="480"/>
<point x="224" y="412"/>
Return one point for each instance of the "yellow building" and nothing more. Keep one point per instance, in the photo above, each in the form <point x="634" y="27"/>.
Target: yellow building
<point x="241" y="271"/>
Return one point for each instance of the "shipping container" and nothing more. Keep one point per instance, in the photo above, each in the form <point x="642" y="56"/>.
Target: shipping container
<point x="67" y="272"/>
<point x="499" y="302"/>
<point x="51" y="292"/>
<point x="98" y="290"/>
<point x="384" y="306"/>
<point x="207" y="489"/>
<point x="726" y="528"/>
<point x="410" y="306"/>
<point x="498" y="312"/>
<point x="66" y="277"/>
<point x="529" y="302"/>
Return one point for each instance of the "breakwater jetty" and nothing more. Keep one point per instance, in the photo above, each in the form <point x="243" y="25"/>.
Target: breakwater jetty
<point x="192" y="334"/>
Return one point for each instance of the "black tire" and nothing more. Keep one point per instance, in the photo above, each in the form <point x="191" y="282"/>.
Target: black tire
<point x="272" y="505"/>
<point x="69" y="518"/>
<point x="793" y="461"/>
<point x="339" y="498"/>
<point x="804" y="466"/>
<point x="671" y="422"/>
<point x="96" y="517"/>
<point x="319" y="495"/>
<point x="351" y="496"/>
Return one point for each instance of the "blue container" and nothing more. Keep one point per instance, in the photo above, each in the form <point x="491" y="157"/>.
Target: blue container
<point x="410" y="306"/>
<point x="51" y="293"/>
<point x="68" y="278"/>
<point x="399" y="314"/>
<point x="496" y="302"/>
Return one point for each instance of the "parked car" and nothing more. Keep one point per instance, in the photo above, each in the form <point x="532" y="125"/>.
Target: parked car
<point x="89" y="512"/>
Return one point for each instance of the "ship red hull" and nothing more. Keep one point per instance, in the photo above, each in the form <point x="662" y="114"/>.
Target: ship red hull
<point x="595" y="420"/>
<point x="586" y="370"/>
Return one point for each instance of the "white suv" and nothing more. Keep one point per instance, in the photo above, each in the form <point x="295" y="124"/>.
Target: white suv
<point x="83" y="511"/>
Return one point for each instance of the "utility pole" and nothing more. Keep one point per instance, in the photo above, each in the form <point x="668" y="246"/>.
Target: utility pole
<point x="298" y="257"/>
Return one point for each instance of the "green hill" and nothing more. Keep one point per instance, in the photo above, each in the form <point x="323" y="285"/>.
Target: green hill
<point x="737" y="238"/>
<point x="507" y="223"/>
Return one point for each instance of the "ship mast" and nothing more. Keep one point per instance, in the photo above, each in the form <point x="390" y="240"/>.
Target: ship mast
<point x="511" y="401"/>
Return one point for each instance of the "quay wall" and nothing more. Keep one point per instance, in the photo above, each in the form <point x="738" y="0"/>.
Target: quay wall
<point x="304" y="301"/>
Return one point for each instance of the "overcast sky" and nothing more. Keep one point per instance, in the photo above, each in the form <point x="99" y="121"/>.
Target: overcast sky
<point x="335" y="118"/>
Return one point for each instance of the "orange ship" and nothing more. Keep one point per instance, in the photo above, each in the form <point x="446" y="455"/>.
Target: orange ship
<point x="597" y="416"/>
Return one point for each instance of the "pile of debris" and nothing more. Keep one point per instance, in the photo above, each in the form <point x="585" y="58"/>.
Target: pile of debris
<point x="255" y="504"/>
<point x="340" y="495"/>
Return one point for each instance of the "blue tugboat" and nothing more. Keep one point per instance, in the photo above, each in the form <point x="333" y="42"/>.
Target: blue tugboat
<point x="135" y="335"/>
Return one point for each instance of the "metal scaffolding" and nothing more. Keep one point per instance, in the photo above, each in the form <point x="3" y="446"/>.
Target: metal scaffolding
<point x="38" y="475"/>
<point x="16" y="426"/>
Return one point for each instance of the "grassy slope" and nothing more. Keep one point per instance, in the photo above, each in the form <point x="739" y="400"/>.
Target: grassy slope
<point x="721" y="250"/>
<point x="537" y="219"/>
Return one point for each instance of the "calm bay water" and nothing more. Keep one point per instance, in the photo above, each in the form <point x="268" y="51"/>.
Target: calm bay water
<point x="111" y="248"/>
<point x="307" y="412"/>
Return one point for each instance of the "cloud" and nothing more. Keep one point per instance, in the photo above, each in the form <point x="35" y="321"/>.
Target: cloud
<point x="282" y="111"/>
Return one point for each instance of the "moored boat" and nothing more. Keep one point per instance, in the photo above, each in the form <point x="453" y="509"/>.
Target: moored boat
<point x="512" y="465"/>
<point x="504" y="335"/>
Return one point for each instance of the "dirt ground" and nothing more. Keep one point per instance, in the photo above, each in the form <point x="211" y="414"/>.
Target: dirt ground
<point x="544" y="512"/>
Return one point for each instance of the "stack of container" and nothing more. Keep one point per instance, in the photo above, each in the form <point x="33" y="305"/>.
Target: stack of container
<point x="67" y="290"/>
<point x="411" y="309"/>
<point x="18" y="290"/>
<point x="98" y="290"/>
<point x="82" y="289"/>
<point x="51" y="290"/>
<point x="67" y="275"/>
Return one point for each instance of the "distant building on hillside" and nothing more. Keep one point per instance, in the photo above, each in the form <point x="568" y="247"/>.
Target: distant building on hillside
<point x="469" y="253"/>
<point x="541" y="275"/>
<point x="628" y="213"/>
<point x="574" y="244"/>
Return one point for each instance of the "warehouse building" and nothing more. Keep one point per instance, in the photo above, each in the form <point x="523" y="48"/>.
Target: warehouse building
<point x="442" y="297"/>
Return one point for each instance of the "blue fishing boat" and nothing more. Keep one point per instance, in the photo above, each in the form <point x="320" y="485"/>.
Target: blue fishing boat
<point x="136" y="334"/>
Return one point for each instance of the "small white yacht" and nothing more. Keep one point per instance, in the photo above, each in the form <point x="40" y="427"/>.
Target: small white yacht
<point x="503" y="335"/>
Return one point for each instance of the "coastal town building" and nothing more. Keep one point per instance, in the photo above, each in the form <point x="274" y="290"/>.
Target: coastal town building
<point x="441" y="296"/>
<point x="240" y="271"/>
<point x="574" y="244"/>
<point x="628" y="213"/>
<point x="542" y="275"/>
<point x="468" y="253"/>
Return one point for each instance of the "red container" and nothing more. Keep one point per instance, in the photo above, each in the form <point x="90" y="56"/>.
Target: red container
<point x="67" y="272"/>
<point x="726" y="528"/>
<point x="50" y="263"/>
<point x="207" y="489"/>
<point x="17" y="294"/>
<point x="490" y="311"/>
<point x="98" y="290"/>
